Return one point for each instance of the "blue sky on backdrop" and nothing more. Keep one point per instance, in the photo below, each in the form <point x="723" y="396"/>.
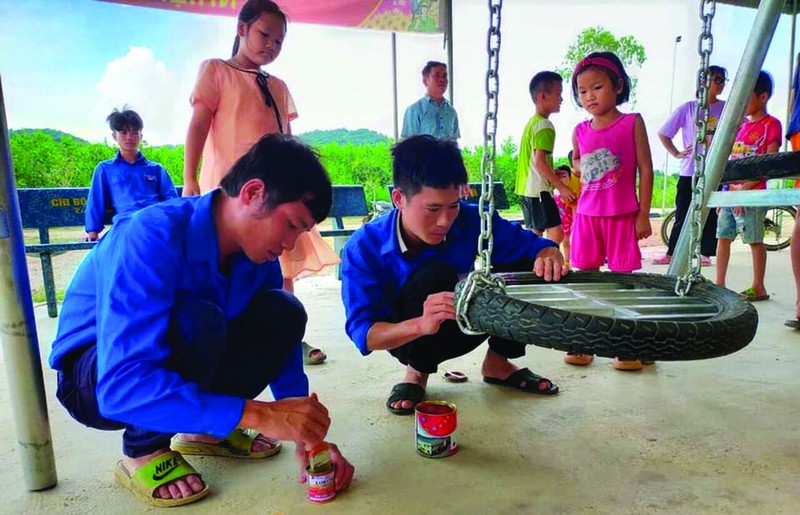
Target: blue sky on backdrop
<point x="66" y="63"/>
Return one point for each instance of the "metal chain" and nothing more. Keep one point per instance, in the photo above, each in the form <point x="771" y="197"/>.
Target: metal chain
<point x="705" y="45"/>
<point x="486" y="201"/>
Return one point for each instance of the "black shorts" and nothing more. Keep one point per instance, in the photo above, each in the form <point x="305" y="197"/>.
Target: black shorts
<point x="540" y="213"/>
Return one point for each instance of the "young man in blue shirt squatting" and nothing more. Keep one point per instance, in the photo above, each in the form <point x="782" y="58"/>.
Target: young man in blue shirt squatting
<point x="400" y="270"/>
<point x="129" y="182"/>
<point x="432" y="114"/>
<point x="177" y="319"/>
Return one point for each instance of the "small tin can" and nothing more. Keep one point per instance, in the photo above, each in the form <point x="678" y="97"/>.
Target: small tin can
<point x="321" y="485"/>
<point x="436" y="429"/>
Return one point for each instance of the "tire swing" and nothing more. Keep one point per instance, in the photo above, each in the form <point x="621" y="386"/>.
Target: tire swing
<point x="632" y="316"/>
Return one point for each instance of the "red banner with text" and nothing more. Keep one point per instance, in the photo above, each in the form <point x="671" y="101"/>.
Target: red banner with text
<point x="389" y="15"/>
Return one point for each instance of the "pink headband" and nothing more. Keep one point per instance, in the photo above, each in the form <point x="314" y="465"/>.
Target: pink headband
<point x="597" y="61"/>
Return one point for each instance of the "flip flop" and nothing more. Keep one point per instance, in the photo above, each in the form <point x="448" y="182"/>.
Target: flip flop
<point x="308" y="359"/>
<point x="405" y="392"/>
<point x="751" y="295"/>
<point x="454" y="376"/>
<point x="238" y="444"/>
<point x="159" y="471"/>
<point x="526" y="381"/>
<point x="794" y="324"/>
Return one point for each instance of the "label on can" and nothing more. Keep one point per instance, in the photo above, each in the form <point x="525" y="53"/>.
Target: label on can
<point x="321" y="486"/>
<point x="436" y="429"/>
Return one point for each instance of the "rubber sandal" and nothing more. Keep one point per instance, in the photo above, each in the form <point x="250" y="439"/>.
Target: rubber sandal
<point x="526" y="381"/>
<point x="162" y="469"/>
<point x="454" y="376"/>
<point x="627" y="365"/>
<point x="405" y="392"/>
<point x="751" y="295"/>
<point x="705" y="260"/>
<point x="580" y="360"/>
<point x="794" y="324"/>
<point x="663" y="260"/>
<point x="308" y="350"/>
<point x="238" y="444"/>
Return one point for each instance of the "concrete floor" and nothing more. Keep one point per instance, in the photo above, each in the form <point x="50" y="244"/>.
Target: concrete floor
<point x="716" y="436"/>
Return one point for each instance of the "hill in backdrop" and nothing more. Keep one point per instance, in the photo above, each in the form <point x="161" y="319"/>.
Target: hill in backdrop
<point x="344" y="136"/>
<point x="53" y="133"/>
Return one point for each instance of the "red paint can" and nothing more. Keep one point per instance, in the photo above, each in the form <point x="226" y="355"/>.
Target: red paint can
<point x="436" y="429"/>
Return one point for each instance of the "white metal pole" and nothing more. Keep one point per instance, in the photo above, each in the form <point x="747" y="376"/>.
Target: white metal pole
<point x="666" y="157"/>
<point x="18" y="334"/>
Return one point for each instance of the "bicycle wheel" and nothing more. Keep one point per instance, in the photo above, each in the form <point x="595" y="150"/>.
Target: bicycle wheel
<point x="778" y="226"/>
<point x="666" y="227"/>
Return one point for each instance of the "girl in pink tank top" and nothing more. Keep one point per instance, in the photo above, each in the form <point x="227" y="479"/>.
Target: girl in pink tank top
<point x="608" y="151"/>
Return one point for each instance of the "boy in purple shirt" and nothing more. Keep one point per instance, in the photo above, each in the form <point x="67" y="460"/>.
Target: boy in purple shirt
<point x="683" y="120"/>
<point x="129" y="182"/>
<point x="400" y="270"/>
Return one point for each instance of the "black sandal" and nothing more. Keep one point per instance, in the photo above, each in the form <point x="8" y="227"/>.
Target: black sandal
<point x="405" y="392"/>
<point x="526" y="381"/>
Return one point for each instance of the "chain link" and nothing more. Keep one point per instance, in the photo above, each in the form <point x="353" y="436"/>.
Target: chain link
<point x="705" y="45"/>
<point x="486" y="201"/>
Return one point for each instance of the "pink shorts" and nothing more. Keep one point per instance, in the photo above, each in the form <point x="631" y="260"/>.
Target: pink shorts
<point x="597" y="238"/>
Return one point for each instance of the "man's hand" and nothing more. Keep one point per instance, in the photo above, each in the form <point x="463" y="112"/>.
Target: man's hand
<point x="299" y="419"/>
<point x="343" y="470"/>
<point x="686" y="152"/>
<point x="190" y="188"/>
<point x="550" y="264"/>
<point x="91" y="236"/>
<point x="437" y="308"/>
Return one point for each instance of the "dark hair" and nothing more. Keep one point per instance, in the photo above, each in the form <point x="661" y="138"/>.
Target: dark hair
<point x="763" y="84"/>
<point x="430" y="65"/>
<point x="618" y="76"/>
<point x="290" y="171"/>
<point x="424" y="161"/>
<point x="543" y="82"/>
<point x="569" y="156"/>
<point x="125" y="119"/>
<point x="564" y="168"/>
<point x="252" y="10"/>
<point x="717" y="70"/>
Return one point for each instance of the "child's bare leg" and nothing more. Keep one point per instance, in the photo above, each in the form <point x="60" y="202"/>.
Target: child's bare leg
<point x="795" y="255"/>
<point x="565" y="247"/>
<point x="723" y="258"/>
<point x="759" y="253"/>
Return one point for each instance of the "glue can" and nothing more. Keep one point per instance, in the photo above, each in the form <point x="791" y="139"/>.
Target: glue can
<point x="320" y="474"/>
<point x="436" y="429"/>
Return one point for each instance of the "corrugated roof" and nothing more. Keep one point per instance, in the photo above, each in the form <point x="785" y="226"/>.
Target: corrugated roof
<point x="788" y="7"/>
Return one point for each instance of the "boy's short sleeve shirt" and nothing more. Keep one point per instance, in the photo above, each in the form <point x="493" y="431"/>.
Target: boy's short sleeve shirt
<point x="754" y="137"/>
<point x="539" y="134"/>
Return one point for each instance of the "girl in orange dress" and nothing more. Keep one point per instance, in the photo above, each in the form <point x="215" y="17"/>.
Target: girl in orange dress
<point x="234" y="104"/>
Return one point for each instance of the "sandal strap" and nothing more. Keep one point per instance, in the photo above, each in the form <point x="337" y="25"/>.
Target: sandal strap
<point x="240" y="441"/>
<point x="164" y="468"/>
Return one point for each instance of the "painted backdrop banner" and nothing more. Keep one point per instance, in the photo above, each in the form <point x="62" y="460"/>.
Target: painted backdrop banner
<point x="389" y="15"/>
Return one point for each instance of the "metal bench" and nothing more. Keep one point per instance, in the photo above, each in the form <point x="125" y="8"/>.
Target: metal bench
<point x="43" y="208"/>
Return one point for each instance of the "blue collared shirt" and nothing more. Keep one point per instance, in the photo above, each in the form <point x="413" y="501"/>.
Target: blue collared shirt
<point x="425" y="116"/>
<point x="125" y="187"/>
<point x="374" y="268"/>
<point x="122" y="298"/>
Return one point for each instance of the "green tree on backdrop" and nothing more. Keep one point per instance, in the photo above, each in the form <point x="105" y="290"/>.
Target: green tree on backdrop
<point x="599" y="39"/>
<point x="48" y="159"/>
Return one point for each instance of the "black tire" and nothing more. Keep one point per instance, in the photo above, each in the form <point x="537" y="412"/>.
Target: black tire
<point x="731" y="329"/>
<point x="666" y="227"/>
<point x="778" y="226"/>
<point x="783" y="165"/>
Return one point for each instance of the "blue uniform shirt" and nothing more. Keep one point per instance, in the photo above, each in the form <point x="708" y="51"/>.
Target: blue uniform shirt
<point x="374" y="268"/>
<point x="122" y="297"/>
<point x="425" y="116"/>
<point x="125" y="187"/>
